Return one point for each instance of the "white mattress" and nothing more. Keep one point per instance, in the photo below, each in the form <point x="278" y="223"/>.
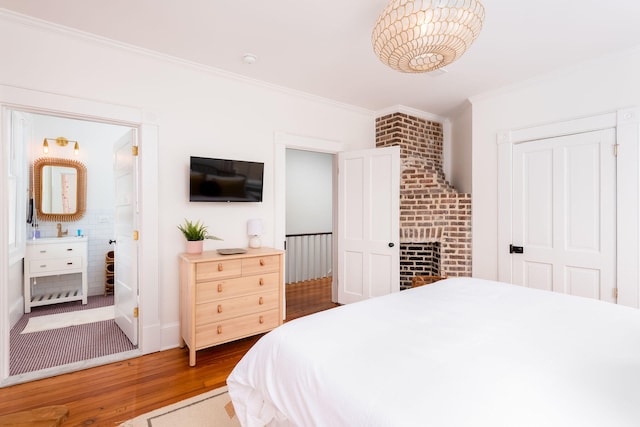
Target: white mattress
<point x="460" y="352"/>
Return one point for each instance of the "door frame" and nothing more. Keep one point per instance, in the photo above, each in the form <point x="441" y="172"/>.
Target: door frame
<point x="626" y="123"/>
<point x="66" y="106"/>
<point x="282" y="142"/>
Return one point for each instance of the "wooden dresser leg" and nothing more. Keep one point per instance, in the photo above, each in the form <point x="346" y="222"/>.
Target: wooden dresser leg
<point x="192" y="357"/>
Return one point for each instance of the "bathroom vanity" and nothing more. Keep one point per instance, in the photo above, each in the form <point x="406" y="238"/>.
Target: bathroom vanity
<point x="54" y="256"/>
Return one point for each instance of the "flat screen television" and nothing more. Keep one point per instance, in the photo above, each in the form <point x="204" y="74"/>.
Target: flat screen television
<point x="224" y="180"/>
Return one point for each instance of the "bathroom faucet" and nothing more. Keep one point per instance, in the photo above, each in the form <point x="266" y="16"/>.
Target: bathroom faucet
<point x="60" y="232"/>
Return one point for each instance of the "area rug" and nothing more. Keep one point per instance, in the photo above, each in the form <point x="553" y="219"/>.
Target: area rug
<point x="64" y="320"/>
<point x="212" y="408"/>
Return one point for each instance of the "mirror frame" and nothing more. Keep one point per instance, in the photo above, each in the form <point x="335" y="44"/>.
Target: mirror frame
<point x="81" y="188"/>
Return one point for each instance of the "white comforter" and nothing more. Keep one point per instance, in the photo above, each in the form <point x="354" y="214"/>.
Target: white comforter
<point x="460" y="352"/>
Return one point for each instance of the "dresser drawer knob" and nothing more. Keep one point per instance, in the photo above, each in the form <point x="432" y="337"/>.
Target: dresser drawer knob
<point x="261" y="281"/>
<point x="261" y="301"/>
<point x="261" y="261"/>
<point x="219" y="330"/>
<point x="70" y="263"/>
<point x="261" y="319"/>
<point x="220" y="267"/>
<point x="219" y="308"/>
<point x="219" y="287"/>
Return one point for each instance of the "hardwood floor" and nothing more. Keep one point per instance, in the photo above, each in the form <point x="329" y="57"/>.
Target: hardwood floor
<point x="111" y="394"/>
<point x="308" y="297"/>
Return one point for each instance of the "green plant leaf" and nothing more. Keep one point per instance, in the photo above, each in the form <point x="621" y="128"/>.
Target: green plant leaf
<point x="194" y="231"/>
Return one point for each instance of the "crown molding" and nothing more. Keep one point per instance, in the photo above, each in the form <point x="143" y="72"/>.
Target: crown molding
<point x="411" y="112"/>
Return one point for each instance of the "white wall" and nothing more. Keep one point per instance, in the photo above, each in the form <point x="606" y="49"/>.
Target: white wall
<point x="598" y="86"/>
<point x="460" y="143"/>
<point x="198" y="112"/>
<point x="309" y="192"/>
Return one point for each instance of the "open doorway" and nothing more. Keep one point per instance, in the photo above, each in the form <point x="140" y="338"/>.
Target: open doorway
<point x="381" y="213"/>
<point x="283" y="143"/>
<point x="56" y="331"/>
<point x="309" y="215"/>
<point x="11" y="269"/>
<point x="309" y="230"/>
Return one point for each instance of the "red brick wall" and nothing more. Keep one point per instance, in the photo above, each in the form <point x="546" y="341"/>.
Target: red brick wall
<point x="431" y="210"/>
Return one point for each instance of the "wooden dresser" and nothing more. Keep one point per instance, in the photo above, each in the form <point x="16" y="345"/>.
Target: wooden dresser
<point x="227" y="297"/>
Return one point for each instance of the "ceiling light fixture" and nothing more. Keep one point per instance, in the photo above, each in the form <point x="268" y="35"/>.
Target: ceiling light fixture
<point x="416" y="36"/>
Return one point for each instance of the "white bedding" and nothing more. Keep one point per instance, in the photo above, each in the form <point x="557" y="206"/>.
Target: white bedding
<point x="460" y="352"/>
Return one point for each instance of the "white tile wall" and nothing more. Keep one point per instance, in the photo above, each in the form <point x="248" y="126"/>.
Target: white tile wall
<point x="98" y="226"/>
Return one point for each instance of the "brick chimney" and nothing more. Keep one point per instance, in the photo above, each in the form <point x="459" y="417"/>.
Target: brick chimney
<point x="435" y="220"/>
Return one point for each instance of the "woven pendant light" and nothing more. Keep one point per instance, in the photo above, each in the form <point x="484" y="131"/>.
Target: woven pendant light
<point x="416" y="36"/>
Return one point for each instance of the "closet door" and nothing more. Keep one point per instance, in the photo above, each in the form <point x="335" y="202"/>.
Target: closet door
<point x="564" y="214"/>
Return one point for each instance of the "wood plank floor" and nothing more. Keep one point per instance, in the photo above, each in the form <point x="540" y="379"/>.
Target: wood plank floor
<point x="111" y="394"/>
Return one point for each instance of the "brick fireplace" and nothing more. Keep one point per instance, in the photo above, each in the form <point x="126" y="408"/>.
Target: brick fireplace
<point x="435" y="220"/>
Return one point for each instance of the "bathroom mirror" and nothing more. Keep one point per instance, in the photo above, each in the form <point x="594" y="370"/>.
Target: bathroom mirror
<point x="60" y="189"/>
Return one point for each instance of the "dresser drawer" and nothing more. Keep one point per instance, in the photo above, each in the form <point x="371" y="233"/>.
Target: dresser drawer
<point x="238" y="327"/>
<point x="259" y="265"/>
<point x="55" y="250"/>
<point x="234" y="307"/>
<point x="218" y="269"/>
<point x="55" y="264"/>
<point x="219" y="289"/>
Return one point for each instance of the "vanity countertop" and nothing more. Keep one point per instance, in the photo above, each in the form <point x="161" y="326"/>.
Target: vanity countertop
<point x="64" y="239"/>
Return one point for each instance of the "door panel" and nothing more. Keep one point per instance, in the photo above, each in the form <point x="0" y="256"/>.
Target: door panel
<point x="354" y="204"/>
<point x="564" y="214"/>
<point x="584" y="282"/>
<point x="368" y="223"/>
<point x="582" y="198"/>
<point x="354" y="275"/>
<point x="537" y="193"/>
<point x="539" y="275"/>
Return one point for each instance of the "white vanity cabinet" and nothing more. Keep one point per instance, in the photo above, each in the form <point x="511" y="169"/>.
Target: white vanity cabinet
<point x="54" y="257"/>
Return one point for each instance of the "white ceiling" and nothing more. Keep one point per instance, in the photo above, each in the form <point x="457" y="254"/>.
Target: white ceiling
<point x="324" y="47"/>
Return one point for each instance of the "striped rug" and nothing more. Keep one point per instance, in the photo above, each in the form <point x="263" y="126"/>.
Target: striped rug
<point x="40" y="350"/>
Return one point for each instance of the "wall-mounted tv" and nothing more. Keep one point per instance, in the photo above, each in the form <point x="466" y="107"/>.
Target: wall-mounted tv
<point x="223" y="180"/>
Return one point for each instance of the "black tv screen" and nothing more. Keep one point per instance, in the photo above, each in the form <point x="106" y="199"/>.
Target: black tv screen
<point x="223" y="180"/>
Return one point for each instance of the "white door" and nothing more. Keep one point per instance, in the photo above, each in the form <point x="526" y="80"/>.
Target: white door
<point x="564" y="214"/>
<point x="126" y="251"/>
<point x="368" y="223"/>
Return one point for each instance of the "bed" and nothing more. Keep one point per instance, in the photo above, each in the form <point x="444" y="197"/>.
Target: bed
<point x="459" y="352"/>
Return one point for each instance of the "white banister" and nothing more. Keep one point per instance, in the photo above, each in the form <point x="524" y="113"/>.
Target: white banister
<point x="308" y="257"/>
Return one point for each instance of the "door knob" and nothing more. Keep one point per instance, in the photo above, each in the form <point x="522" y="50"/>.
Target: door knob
<point x="391" y="244"/>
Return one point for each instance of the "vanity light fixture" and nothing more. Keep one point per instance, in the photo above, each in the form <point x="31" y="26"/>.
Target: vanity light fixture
<point x="62" y="142"/>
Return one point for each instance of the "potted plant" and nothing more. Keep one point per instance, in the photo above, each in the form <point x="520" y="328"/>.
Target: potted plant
<point x="195" y="233"/>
